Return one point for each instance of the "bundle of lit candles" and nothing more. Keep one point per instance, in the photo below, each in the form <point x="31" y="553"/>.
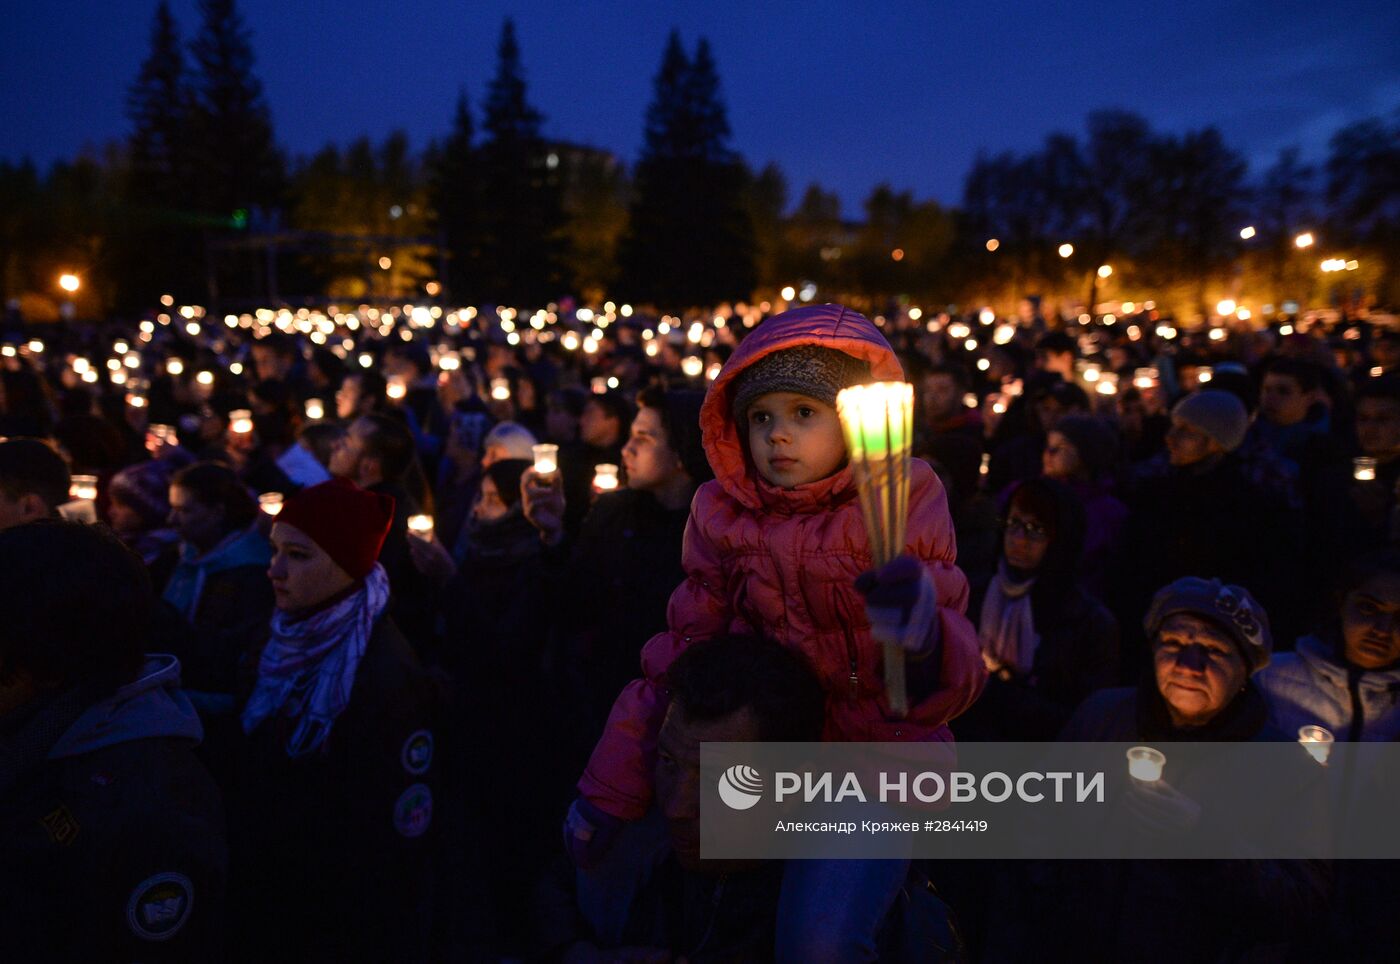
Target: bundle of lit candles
<point x="878" y="421"/>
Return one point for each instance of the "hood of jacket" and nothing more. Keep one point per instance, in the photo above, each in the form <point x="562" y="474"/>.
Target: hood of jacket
<point x="830" y="326"/>
<point x="152" y="705"/>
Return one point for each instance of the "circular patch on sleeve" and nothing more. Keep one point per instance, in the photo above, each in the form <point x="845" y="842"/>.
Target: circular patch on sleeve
<point x="417" y="752"/>
<point x="413" y="812"/>
<point x="159" y="906"/>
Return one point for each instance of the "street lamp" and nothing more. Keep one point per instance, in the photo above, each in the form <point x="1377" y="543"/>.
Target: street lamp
<point x="69" y="282"/>
<point x="1105" y="270"/>
<point x="1304" y="240"/>
<point x="1247" y="233"/>
<point x="993" y="244"/>
<point x="1066" y="250"/>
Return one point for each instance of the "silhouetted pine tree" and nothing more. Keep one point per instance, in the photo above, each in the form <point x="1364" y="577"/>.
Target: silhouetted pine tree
<point x="690" y="240"/>
<point x="520" y="213"/>
<point x="455" y="196"/>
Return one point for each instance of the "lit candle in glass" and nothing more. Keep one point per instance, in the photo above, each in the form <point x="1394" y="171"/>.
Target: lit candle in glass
<point x="1317" y="741"/>
<point x="175" y="367"/>
<point x="270" y="502"/>
<point x="83" y="487"/>
<point x="1363" y="469"/>
<point x="1145" y="763"/>
<point x="315" y="409"/>
<point x="136" y="399"/>
<point x="1145" y="378"/>
<point x="1204" y="374"/>
<point x="692" y="365"/>
<point x="396" y="389"/>
<point x="605" y="477"/>
<point x="240" y="421"/>
<point x="421" y="526"/>
<point x="546" y="458"/>
<point x="500" y="389"/>
<point x="598" y="385"/>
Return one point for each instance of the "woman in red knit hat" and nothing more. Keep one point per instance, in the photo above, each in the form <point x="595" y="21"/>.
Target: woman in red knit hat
<point x="330" y="809"/>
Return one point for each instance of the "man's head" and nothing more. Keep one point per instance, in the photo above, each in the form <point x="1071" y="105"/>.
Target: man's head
<point x="33" y="481"/>
<point x="207" y="502"/>
<point x="1289" y="389"/>
<point x="507" y="440"/>
<point x="1207" y="639"/>
<point x="77" y="607"/>
<point x="1378" y="417"/>
<point x="1370" y="610"/>
<point x="1205" y="425"/>
<point x="664" y="447"/>
<point x="376" y="449"/>
<point x="604" y="420"/>
<point x="1055" y="353"/>
<point x="274" y="356"/>
<point x="941" y="392"/>
<point x="361" y="393"/>
<point x="730" y="689"/>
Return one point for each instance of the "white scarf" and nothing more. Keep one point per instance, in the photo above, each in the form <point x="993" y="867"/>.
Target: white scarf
<point x="308" y="668"/>
<point x="1007" y="630"/>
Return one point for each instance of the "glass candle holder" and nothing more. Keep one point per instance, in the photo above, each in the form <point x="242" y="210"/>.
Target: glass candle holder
<point x="83" y="487"/>
<point x="1363" y="468"/>
<point x="500" y="389"/>
<point x="270" y="502"/>
<point x="240" y="421"/>
<point x="1145" y="763"/>
<point x="315" y="409"/>
<point x="605" y="477"/>
<point x="1317" y="740"/>
<point x="546" y="458"/>
<point x="421" y="526"/>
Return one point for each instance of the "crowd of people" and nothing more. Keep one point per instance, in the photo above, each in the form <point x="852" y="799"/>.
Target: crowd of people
<point x="394" y="636"/>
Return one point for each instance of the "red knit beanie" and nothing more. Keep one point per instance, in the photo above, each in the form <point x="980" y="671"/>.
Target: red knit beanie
<point x="346" y="521"/>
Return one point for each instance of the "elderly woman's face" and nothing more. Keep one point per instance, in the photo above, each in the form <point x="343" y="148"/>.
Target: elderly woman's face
<point x="303" y="575"/>
<point x="1199" y="668"/>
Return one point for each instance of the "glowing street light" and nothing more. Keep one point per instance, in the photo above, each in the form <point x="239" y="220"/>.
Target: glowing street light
<point x="993" y="244"/>
<point x="1247" y="233"/>
<point x="1105" y="270"/>
<point x="1304" y="240"/>
<point x="788" y="293"/>
<point x="1066" y="250"/>
<point x="386" y="262"/>
<point x="1226" y="307"/>
<point x="69" y="282"/>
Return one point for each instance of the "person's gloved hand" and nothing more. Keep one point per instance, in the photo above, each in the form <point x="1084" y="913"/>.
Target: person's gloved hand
<point x="588" y="833"/>
<point x="1160" y="807"/>
<point x="901" y="603"/>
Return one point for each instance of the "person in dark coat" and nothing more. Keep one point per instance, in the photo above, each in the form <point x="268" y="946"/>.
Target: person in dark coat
<point x="602" y="430"/>
<point x="1199" y="511"/>
<point x="332" y="795"/>
<point x="1046" y="642"/>
<point x="218" y="600"/>
<point x="34" y="481"/>
<point x="1207" y="641"/>
<point x="111" y="831"/>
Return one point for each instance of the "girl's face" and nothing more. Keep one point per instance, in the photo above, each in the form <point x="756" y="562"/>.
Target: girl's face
<point x="123" y="518"/>
<point x="302" y="575"/>
<point x="489" y="504"/>
<point x="1025" y="541"/>
<point x="1060" y="460"/>
<point x="1371" y="622"/>
<point x="794" y="439"/>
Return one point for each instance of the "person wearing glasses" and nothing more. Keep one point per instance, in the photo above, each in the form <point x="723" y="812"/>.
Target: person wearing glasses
<point x="1046" y="641"/>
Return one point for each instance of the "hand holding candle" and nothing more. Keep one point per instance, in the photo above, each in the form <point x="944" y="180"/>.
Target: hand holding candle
<point x="878" y="424"/>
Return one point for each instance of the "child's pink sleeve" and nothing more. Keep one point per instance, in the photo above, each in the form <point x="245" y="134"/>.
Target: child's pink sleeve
<point x="618" y="778"/>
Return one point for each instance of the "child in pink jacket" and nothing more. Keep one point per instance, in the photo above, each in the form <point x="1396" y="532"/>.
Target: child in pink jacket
<point x="774" y="547"/>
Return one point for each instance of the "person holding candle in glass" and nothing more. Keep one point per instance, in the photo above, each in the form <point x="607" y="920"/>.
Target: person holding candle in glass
<point x="776" y="544"/>
<point x="332" y="792"/>
<point x="1208" y="641"/>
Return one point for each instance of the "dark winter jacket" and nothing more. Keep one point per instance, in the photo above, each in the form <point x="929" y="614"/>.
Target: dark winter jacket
<point x="330" y="852"/>
<point x="111" y="832"/>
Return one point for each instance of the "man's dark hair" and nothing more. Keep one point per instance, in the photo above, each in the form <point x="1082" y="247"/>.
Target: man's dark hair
<point x="715" y="678"/>
<point x="680" y="419"/>
<point x="389" y="441"/>
<point x="614" y="406"/>
<point x="1307" y="374"/>
<point x="1057" y="342"/>
<point x="77" y="605"/>
<point x="214" y="484"/>
<point x="30" y="465"/>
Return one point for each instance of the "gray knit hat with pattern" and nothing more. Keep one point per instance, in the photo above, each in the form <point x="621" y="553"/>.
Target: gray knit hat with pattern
<point x="810" y="370"/>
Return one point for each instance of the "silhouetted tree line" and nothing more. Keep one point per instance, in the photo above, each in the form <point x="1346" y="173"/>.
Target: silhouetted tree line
<point x="199" y="202"/>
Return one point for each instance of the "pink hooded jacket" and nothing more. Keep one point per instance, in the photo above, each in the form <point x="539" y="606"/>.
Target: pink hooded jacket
<point x="782" y="564"/>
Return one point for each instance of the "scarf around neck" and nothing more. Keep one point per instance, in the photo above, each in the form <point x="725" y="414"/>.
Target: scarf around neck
<point x="308" y="667"/>
<point x="1007" y="627"/>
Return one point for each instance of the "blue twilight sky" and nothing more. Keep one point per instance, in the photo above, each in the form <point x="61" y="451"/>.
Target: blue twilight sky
<point x="844" y="93"/>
